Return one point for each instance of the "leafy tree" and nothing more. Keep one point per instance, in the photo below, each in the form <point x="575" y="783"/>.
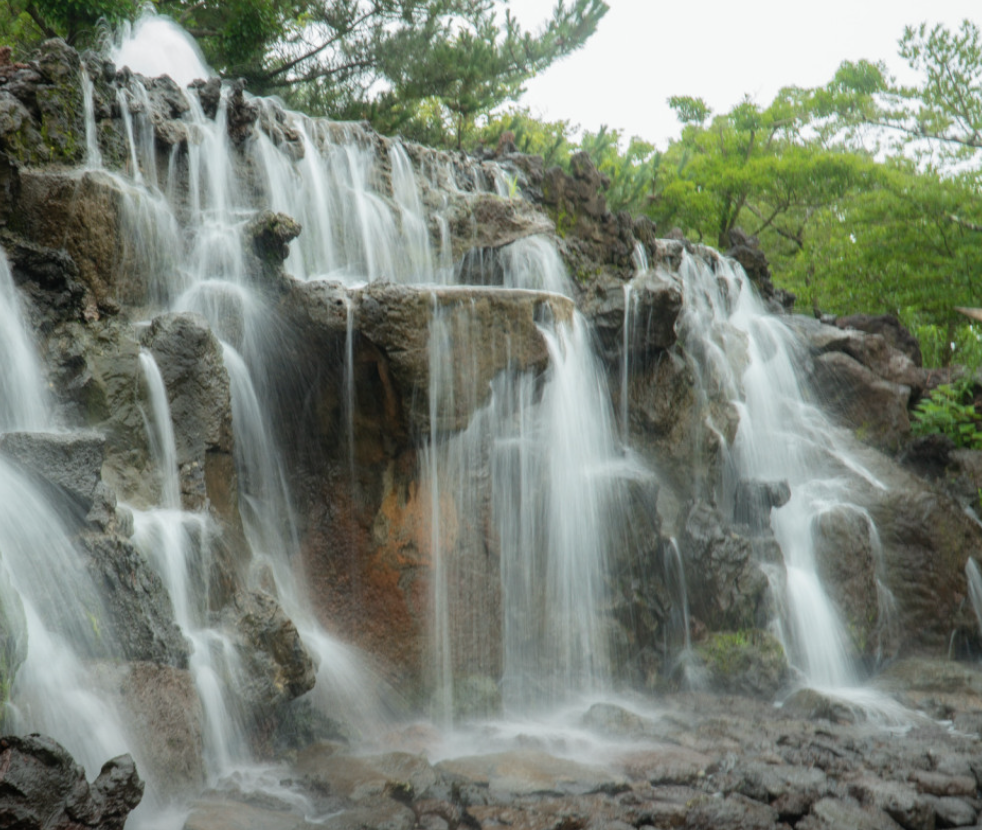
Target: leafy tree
<point x="428" y="68"/>
<point x="75" y="20"/>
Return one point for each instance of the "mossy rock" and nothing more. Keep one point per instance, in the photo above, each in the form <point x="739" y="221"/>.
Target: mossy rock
<point x="749" y="662"/>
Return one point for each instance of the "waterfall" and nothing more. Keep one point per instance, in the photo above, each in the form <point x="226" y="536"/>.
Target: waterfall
<point x="974" y="577"/>
<point x="526" y="502"/>
<point x="49" y="624"/>
<point x="23" y="397"/>
<point x="748" y="357"/>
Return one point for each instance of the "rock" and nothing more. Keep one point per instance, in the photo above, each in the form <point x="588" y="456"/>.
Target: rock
<point x="953" y="812"/>
<point x="733" y="812"/>
<point x="42" y="786"/>
<point x="875" y="408"/>
<point x="666" y="764"/>
<point x="615" y="721"/>
<point x="656" y="301"/>
<point x="165" y="718"/>
<point x="889" y="328"/>
<point x="192" y="365"/>
<point x="832" y="814"/>
<point x="139" y="620"/>
<point x="97" y="376"/>
<point x="82" y="213"/>
<point x="753" y="501"/>
<point x="229" y="814"/>
<point x="812" y="704"/>
<point x="526" y="772"/>
<point x="276" y="666"/>
<point x="386" y="814"/>
<point x="744" y="663"/>
<point x="481" y="224"/>
<point x="938" y="676"/>
<point x="271" y="234"/>
<point x="843" y="539"/>
<point x="776" y="784"/>
<point x="394" y="323"/>
<point x="727" y="589"/>
<point x="49" y="278"/>
<point x="364" y="778"/>
<point x="209" y="94"/>
<point x="942" y="785"/>
<point x="72" y="463"/>
<point x="901" y="803"/>
<point x="746" y="250"/>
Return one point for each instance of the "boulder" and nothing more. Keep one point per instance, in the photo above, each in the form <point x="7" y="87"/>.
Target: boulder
<point x="483" y="222"/>
<point x="744" y="663"/>
<point x="276" y="666"/>
<point x="889" y="328"/>
<point x="746" y="250"/>
<point x="753" y="501"/>
<point x="844" y="540"/>
<point x="42" y="786"/>
<point x="394" y="324"/>
<point x="526" y="772"/>
<point x="164" y="717"/>
<point x="192" y="365"/>
<point x="727" y="589"/>
<point x="95" y="373"/>
<point x="82" y="213"/>
<point x="875" y="408"/>
<point x="71" y="463"/>
<point x="655" y="304"/>
<point x="139" y="619"/>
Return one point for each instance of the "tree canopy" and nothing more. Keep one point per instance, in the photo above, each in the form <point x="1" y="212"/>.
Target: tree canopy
<point x="426" y="68"/>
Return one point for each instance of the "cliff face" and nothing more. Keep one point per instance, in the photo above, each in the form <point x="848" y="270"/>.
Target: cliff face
<point x="354" y="399"/>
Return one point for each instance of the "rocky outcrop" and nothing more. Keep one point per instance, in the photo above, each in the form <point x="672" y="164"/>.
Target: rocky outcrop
<point x="746" y="250"/>
<point x="655" y="301"/>
<point x="866" y="382"/>
<point x="80" y="213"/>
<point x="275" y="665"/>
<point x="137" y="615"/>
<point x="164" y="717"/>
<point x="192" y="365"/>
<point x="42" y="786"/>
<point x="728" y="590"/>
<point x="844" y="541"/>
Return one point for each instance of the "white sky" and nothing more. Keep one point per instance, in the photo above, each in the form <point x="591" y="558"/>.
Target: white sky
<point x="645" y="51"/>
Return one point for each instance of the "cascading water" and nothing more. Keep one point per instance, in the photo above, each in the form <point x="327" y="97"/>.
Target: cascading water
<point x="50" y="624"/>
<point x="749" y="356"/>
<point x="525" y="499"/>
<point x="974" y="577"/>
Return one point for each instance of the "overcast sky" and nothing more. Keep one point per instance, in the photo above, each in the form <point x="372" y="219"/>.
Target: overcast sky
<point x="720" y="50"/>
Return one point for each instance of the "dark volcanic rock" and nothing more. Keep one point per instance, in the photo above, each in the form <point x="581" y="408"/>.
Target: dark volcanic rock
<point x="875" y="408"/>
<point x="71" y="462"/>
<point x="41" y="786"/>
<point x="727" y="589"/>
<point x="276" y="666"/>
<point x="889" y="328"/>
<point x="753" y="501"/>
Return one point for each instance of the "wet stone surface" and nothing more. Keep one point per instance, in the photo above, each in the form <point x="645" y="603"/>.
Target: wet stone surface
<point x="689" y="760"/>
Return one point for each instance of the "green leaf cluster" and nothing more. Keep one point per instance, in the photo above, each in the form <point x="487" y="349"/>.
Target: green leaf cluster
<point x="950" y="410"/>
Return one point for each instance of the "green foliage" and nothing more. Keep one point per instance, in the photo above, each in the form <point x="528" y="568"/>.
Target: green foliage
<point x="26" y="23"/>
<point x="429" y="69"/>
<point x="632" y="172"/>
<point x="550" y="139"/>
<point x="950" y="411"/>
<point x="946" y="345"/>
